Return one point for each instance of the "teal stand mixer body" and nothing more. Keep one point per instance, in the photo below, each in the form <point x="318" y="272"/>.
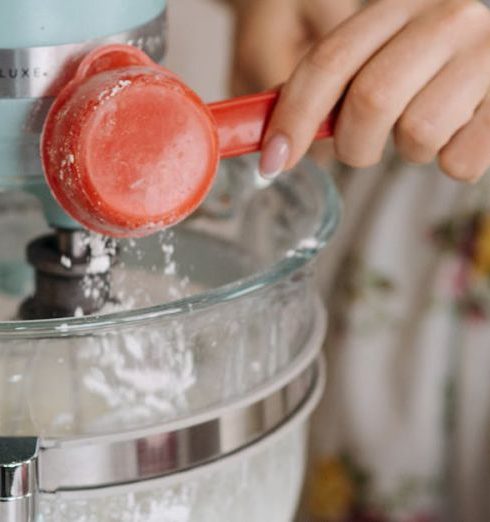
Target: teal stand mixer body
<point x="37" y="40"/>
<point x="40" y="44"/>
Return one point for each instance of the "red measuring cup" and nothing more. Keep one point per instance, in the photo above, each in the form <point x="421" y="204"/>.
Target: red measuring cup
<point x="127" y="148"/>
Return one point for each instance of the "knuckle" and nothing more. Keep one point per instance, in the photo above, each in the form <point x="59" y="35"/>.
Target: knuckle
<point x="455" y="9"/>
<point x="295" y="114"/>
<point x="329" y="55"/>
<point x="348" y="157"/>
<point x="474" y="9"/>
<point x="465" y="12"/>
<point x="292" y="107"/>
<point x="416" y="137"/>
<point x="455" y="167"/>
<point x="368" y="96"/>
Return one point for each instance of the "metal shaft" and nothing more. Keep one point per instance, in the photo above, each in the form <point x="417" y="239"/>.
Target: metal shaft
<point x="72" y="275"/>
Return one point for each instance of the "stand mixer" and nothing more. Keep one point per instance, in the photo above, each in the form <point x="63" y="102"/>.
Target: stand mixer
<point x="192" y="404"/>
<point x="40" y="45"/>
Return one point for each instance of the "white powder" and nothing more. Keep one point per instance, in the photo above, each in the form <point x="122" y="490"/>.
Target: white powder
<point x="65" y="261"/>
<point x="150" y="367"/>
<point x="168" y="250"/>
<point x="170" y="268"/>
<point x="63" y="327"/>
<point x="137" y="184"/>
<point x="92" y="286"/>
<point x="308" y="243"/>
<point x="99" y="246"/>
<point x="99" y="265"/>
<point x="261" y="487"/>
<point x="121" y="84"/>
<point x="110" y="93"/>
<point x="63" y="419"/>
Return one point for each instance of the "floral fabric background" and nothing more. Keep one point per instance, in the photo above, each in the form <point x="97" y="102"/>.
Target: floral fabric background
<point x="403" y="433"/>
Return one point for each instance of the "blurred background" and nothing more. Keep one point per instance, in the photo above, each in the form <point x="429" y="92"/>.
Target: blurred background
<point x="201" y="33"/>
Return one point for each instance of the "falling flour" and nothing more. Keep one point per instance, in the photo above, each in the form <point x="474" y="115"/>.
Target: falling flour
<point x="66" y="262"/>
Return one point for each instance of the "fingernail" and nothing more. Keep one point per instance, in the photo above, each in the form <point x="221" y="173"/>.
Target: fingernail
<point x="275" y="156"/>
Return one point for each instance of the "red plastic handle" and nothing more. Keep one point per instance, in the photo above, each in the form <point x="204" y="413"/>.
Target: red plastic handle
<point x="241" y="122"/>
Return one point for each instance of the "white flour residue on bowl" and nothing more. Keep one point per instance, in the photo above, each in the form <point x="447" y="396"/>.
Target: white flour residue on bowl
<point x="172" y="504"/>
<point x="147" y="371"/>
<point x="308" y="243"/>
<point x="234" y="491"/>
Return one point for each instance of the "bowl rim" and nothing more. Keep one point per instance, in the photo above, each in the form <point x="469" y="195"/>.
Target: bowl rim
<point x="295" y="259"/>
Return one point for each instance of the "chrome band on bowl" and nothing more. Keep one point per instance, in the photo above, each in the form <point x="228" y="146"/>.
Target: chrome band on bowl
<point x="107" y="461"/>
<point x="110" y="464"/>
<point x="298" y="417"/>
<point x="39" y="72"/>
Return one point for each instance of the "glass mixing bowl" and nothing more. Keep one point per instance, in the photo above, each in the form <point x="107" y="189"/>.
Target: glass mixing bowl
<point x="209" y="317"/>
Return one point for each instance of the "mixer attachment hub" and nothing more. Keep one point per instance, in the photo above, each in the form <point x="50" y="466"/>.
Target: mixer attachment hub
<point x="72" y="274"/>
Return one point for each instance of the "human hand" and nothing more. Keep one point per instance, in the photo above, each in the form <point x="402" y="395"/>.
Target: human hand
<point x="419" y="68"/>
